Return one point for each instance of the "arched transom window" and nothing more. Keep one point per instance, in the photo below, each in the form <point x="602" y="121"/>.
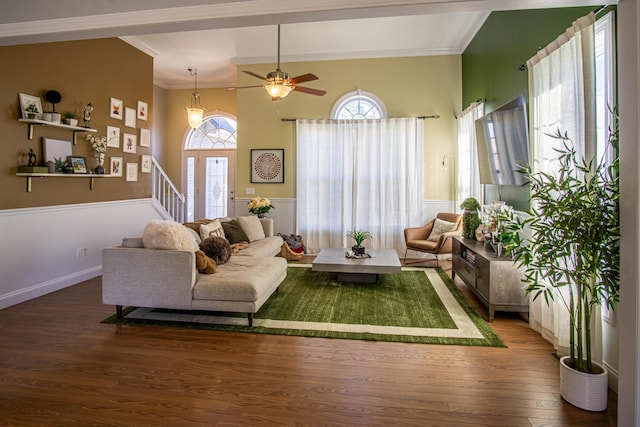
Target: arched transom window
<point x="358" y="105"/>
<point x="216" y="131"/>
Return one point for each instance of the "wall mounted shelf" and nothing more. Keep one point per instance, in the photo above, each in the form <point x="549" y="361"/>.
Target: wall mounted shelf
<point x="74" y="129"/>
<point x="91" y="177"/>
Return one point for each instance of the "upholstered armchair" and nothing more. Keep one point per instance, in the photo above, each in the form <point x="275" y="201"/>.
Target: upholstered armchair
<point x="434" y="238"/>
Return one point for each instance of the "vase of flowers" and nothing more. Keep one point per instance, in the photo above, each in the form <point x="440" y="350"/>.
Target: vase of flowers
<point x="260" y="206"/>
<point x="498" y="219"/>
<point x="99" y="145"/>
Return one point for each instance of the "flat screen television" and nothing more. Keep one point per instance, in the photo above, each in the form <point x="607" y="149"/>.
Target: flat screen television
<point x="503" y="142"/>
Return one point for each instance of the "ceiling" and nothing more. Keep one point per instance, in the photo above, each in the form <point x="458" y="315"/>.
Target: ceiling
<point x="215" y="36"/>
<point x="216" y="53"/>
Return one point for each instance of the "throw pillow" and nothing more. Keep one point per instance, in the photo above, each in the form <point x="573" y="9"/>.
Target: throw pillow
<point x="233" y="232"/>
<point x="217" y="248"/>
<point x="204" y="264"/>
<point x="252" y="226"/>
<point x="439" y="228"/>
<point x="214" y="228"/>
<point x="160" y="234"/>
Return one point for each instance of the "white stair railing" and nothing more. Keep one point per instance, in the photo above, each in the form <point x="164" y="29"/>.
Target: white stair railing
<point x="166" y="194"/>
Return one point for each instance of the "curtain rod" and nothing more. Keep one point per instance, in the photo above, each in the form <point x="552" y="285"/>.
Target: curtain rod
<point x="523" y="66"/>
<point x="434" y="116"/>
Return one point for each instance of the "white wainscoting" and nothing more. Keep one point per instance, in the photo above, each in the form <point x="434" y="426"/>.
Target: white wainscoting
<point x="284" y="215"/>
<point x="40" y="246"/>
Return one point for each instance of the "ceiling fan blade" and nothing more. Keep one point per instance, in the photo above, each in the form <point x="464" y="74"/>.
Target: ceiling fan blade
<point x="303" y="78"/>
<point x="251" y="73"/>
<point x="310" y="91"/>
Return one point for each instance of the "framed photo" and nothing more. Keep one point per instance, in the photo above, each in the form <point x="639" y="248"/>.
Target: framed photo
<point x="26" y="101"/>
<point x="78" y="164"/>
<point x="143" y="110"/>
<point x="145" y="164"/>
<point x="132" y="172"/>
<point x="267" y="165"/>
<point x="116" y="166"/>
<point x="116" y="108"/>
<point x="53" y="149"/>
<point x="145" y="138"/>
<point x="113" y="136"/>
<point x="129" y="142"/>
<point x="130" y="117"/>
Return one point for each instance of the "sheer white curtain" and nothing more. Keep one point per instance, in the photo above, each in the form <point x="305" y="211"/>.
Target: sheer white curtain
<point x="468" y="179"/>
<point x="561" y="96"/>
<point x="359" y="174"/>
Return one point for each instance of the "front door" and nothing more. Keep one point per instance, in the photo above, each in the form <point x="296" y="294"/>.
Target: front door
<point x="210" y="184"/>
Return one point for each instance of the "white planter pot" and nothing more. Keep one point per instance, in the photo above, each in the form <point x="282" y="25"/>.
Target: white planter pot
<point x="586" y="391"/>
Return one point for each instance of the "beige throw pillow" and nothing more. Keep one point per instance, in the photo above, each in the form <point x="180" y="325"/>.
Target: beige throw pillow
<point x="439" y="228"/>
<point x="252" y="227"/>
<point x="212" y="229"/>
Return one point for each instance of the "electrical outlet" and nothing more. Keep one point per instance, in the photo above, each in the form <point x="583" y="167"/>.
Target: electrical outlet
<point x="249" y="190"/>
<point x="81" y="252"/>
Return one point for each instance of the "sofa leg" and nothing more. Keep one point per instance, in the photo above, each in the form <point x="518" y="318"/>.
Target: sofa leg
<point x="250" y="316"/>
<point x="119" y="311"/>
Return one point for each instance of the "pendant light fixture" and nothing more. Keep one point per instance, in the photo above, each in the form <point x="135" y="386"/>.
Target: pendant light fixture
<point x="195" y="110"/>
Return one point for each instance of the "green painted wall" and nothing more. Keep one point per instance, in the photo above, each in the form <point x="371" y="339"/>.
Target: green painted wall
<point x="507" y="40"/>
<point x="490" y="67"/>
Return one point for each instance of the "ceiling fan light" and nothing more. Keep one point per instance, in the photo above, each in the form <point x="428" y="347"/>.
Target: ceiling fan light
<point x="278" y="91"/>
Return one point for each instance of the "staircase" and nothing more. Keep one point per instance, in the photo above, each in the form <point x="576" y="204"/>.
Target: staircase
<point x="166" y="197"/>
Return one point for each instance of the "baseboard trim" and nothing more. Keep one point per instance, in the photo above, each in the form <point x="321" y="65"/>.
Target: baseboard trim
<point x="49" y="286"/>
<point x="613" y="376"/>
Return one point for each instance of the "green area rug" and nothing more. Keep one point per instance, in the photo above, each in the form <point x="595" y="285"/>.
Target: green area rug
<point x="416" y="306"/>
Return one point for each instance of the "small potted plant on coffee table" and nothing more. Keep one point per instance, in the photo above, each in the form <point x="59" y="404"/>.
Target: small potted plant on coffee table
<point x="359" y="236"/>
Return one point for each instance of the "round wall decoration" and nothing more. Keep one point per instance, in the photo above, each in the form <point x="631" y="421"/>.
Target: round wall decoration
<point x="267" y="165"/>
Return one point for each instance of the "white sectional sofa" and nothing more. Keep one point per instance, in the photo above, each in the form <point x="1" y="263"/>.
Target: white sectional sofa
<point x="160" y="278"/>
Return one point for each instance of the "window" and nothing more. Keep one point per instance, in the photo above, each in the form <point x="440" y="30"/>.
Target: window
<point x="217" y="131"/>
<point x="605" y="81"/>
<point x="358" y="105"/>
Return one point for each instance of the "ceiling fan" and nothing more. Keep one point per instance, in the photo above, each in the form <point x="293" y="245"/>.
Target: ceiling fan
<point x="278" y="83"/>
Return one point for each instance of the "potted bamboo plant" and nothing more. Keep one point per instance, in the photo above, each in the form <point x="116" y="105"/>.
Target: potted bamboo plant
<point x="572" y="255"/>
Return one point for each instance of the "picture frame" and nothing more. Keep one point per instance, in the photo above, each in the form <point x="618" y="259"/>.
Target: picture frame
<point x="132" y="172"/>
<point x="145" y="138"/>
<point x="53" y="149"/>
<point x="267" y="165"/>
<point x="143" y="110"/>
<point x="116" y="108"/>
<point x="25" y="101"/>
<point x="115" y="166"/>
<point x="130" y="117"/>
<point x="145" y="164"/>
<point x="129" y="142"/>
<point x="113" y="136"/>
<point x="78" y="164"/>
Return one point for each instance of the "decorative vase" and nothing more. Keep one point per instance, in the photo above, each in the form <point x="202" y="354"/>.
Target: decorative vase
<point x="99" y="170"/>
<point x="586" y="391"/>
<point x="261" y="215"/>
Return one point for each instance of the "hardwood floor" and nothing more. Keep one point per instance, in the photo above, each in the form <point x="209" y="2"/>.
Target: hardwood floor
<point x="60" y="366"/>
